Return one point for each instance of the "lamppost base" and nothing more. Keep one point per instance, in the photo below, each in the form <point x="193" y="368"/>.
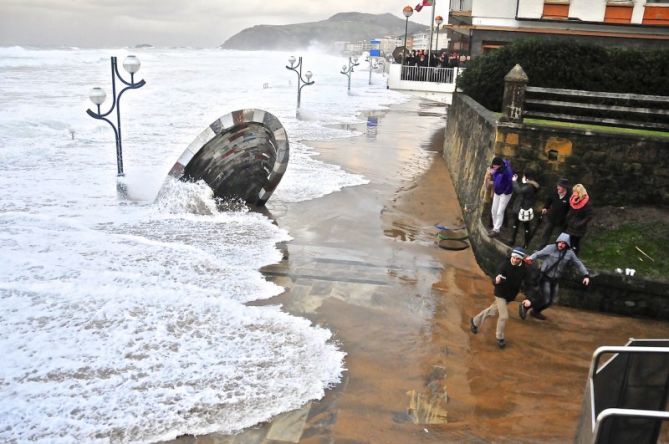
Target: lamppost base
<point x="121" y="188"/>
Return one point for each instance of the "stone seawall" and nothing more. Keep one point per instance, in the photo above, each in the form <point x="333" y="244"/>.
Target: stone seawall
<point x="616" y="169"/>
<point x="473" y="137"/>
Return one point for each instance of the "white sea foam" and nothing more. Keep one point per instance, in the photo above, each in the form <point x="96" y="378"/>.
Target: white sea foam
<point x="126" y="321"/>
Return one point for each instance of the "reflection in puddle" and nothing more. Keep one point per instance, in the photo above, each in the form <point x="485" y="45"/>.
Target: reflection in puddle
<point x="397" y="233"/>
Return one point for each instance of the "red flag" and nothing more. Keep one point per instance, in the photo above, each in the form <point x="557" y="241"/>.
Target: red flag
<point x="420" y="5"/>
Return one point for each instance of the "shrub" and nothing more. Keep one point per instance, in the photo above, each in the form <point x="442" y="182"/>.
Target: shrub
<point x="567" y="64"/>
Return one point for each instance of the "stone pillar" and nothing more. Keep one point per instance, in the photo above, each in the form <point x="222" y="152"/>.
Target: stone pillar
<point x="513" y="102"/>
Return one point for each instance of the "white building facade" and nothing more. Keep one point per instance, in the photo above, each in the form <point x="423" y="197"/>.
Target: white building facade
<point x="488" y="24"/>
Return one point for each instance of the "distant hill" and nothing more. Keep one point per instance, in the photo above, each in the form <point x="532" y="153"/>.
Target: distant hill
<point x="345" y="26"/>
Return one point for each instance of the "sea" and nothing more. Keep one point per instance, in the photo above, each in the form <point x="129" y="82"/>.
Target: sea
<point x="126" y="320"/>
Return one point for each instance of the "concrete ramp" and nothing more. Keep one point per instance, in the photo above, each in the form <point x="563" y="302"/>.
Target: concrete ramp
<point x="243" y="154"/>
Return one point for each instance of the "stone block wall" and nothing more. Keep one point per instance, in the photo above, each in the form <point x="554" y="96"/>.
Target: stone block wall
<point x="615" y="169"/>
<point x="473" y="137"/>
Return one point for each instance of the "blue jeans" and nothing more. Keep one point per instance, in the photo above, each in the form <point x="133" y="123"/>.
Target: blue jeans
<point x="548" y="294"/>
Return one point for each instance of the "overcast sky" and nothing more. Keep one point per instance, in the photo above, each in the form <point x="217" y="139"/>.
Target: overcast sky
<point x="199" y="23"/>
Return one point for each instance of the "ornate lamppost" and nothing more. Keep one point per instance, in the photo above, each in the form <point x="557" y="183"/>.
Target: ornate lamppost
<point x="97" y="95"/>
<point x="408" y="12"/>
<point x="301" y="83"/>
<point x="347" y="70"/>
<point x="438" y="20"/>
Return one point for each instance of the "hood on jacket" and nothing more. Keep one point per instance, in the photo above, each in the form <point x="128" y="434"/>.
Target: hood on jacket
<point x="564" y="237"/>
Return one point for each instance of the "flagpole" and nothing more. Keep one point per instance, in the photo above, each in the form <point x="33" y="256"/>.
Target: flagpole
<point x="429" y="52"/>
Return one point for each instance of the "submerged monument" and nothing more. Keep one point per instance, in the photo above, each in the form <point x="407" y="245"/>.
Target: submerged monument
<point x="243" y="154"/>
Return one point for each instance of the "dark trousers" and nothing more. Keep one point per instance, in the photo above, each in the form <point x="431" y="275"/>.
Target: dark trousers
<point x="549" y="227"/>
<point x="526" y="228"/>
<point x="547" y="295"/>
<point x="575" y="243"/>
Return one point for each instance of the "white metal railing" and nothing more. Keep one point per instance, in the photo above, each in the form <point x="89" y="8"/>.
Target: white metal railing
<point x="592" y="421"/>
<point x="428" y="74"/>
<point x="625" y="413"/>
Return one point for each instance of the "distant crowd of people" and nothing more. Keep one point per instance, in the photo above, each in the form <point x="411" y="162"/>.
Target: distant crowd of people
<point x="437" y="59"/>
<point x="420" y="59"/>
<point x="567" y="211"/>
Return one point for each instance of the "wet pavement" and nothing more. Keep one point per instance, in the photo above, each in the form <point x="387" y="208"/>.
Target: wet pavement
<point x="364" y="263"/>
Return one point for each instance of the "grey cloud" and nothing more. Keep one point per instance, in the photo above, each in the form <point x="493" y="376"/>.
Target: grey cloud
<point x="90" y="23"/>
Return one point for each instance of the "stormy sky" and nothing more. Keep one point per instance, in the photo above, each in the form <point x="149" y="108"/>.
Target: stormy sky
<point x="197" y="23"/>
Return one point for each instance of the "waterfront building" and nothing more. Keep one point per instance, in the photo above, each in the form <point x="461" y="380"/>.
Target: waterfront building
<point x="477" y="26"/>
<point x="421" y="40"/>
<point x="388" y="44"/>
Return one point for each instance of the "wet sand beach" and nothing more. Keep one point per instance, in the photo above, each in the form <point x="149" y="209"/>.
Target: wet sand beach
<point x="364" y="264"/>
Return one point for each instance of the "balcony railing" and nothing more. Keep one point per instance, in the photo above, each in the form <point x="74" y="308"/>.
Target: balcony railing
<point x="428" y="74"/>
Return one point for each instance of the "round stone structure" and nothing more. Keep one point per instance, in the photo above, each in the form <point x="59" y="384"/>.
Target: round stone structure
<point x="243" y="154"/>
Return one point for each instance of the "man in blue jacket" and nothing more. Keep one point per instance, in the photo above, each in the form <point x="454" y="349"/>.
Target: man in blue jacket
<point x="500" y="178"/>
<point x="510" y="276"/>
<point x="555" y="259"/>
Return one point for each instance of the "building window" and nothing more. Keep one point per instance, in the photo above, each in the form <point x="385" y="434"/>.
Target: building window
<point x="618" y="11"/>
<point x="656" y="13"/>
<point x="556" y="10"/>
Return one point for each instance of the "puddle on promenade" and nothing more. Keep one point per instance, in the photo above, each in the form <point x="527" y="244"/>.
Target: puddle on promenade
<point x="400" y="308"/>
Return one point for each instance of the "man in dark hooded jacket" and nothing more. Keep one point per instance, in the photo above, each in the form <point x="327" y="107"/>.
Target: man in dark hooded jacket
<point x="511" y="273"/>
<point x="555" y="259"/>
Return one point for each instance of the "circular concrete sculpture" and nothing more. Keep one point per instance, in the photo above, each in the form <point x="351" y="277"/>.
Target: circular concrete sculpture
<point x="243" y="154"/>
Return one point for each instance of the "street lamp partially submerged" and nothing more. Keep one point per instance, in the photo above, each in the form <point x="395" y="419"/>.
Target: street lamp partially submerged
<point x="347" y="70"/>
<point x="301" y="83"/>
<point x="98" y="96"/>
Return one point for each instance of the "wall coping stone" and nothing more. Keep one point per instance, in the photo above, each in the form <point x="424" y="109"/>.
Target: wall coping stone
<point x="582" y="131"/>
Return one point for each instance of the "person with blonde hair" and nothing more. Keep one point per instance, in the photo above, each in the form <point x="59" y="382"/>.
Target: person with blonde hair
<point x="579" y="215"/>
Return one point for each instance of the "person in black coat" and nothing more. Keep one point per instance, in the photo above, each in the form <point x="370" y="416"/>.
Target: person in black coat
<point x="555" y="211"/>
<point x="525" y="194"/>
<point x="510" y="277"/>
<point x="579" y="215"/>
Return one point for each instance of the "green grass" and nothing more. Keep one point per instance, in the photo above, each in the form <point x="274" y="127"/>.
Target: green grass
<point x="601" y="128"/>
<point x="591" y="127"/>
<point x="617" y="248"/>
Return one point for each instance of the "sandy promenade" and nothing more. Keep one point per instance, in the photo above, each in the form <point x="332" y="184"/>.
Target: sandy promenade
<point x="363" y="263"/>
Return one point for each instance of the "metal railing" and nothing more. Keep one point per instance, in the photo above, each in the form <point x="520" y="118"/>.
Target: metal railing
<point x="428" y="74"/>
<point x="616" y="414"/>
<point x="641" y="383"/>
<point x="604" y="108"/>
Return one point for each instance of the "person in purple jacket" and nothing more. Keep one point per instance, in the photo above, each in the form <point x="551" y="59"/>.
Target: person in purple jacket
<point x="500" y="178"/>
